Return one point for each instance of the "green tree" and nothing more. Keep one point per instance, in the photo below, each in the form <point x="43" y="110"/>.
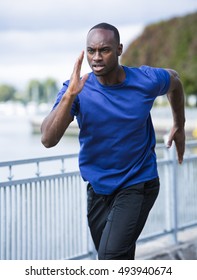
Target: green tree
<point x="7" y="92"/>
<point x="35" y="91"/>
<point x="50" y="89"/>
<point x="39" y="92"/>
<point x="168" y="44"/>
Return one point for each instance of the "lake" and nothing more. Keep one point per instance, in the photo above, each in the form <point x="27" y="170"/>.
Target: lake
<point x="18" y="142"/>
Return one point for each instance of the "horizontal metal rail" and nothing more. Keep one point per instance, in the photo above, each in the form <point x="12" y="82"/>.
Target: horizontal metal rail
<point x="40" y="159"/>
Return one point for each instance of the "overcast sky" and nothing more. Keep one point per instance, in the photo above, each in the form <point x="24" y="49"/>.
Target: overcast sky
<point x="42" y="38"/>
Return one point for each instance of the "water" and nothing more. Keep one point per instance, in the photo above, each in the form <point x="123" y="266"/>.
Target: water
<point x="18" y="142"/>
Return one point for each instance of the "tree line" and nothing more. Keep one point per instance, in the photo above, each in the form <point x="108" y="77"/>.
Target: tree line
<point x="36" y="90"/>
<point x="168" y="44"/>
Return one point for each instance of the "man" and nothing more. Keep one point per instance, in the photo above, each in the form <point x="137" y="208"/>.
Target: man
<point x="117" y="159"/>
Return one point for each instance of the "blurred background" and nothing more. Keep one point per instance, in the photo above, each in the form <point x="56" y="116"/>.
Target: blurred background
<point x="40" y="41"/>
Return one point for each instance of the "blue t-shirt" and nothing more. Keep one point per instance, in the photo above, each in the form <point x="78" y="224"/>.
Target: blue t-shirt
<point x="117" y="138"/>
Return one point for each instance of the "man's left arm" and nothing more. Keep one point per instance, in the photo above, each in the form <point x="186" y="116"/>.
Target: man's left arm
<point x="176" y="99"/>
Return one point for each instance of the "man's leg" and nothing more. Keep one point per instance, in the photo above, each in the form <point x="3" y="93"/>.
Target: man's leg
<point x="126" y="220"/>
<point x="98" y="211"/>
<point x="151" y="190"/>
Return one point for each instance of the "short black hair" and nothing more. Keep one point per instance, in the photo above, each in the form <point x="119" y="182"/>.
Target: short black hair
<point x="108" y="26"/>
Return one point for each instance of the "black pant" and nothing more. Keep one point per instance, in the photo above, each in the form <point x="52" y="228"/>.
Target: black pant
<point x="117" y="220"/>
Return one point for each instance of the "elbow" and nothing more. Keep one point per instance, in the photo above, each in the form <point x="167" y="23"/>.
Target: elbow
<point x="47" y="141"/>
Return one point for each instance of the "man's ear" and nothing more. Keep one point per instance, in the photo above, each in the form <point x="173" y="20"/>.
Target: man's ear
<point x="120" y="49"/>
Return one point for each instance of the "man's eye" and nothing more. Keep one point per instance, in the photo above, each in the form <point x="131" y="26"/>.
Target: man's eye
<point x="105" y="50"/>
<point x="90" y="51"/>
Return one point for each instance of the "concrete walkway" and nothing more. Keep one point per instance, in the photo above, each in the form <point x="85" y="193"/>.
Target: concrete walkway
<point x="164" y="248"/>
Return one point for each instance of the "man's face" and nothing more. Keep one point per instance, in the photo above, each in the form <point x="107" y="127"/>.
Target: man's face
<point x="102" y="51"/>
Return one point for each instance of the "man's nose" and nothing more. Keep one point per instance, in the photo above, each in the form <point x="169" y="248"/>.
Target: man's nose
<point x="97" y="55"/>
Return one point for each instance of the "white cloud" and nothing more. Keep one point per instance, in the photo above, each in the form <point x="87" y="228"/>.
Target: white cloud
<point x="41" y="38"/>
<point x="40" y="41"/>
<point x="74" y="14"/>
<point x="26" y="55"/>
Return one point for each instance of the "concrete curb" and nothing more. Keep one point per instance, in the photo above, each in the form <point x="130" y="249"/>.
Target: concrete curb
<point x="186" y="251"/>
<point x="164" y="248"/>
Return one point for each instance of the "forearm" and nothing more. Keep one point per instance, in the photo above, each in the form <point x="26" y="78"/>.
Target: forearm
<point x="176" y="99"/>
<point x="56" y="123"/>
<point x="177" y="102"/>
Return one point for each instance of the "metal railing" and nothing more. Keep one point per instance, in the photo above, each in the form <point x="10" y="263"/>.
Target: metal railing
<point x="176" y="206"/>
<point x="43" y="205"/>
<point x="43" y="214"/>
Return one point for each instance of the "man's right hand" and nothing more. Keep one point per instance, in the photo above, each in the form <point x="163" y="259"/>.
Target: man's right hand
<point x="76" y="83"/>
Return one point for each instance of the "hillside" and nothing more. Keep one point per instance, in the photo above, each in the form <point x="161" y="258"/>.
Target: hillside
<point x="170" y="44"/>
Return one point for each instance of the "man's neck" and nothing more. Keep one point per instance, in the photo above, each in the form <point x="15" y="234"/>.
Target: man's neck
<point x="117" y="76"/>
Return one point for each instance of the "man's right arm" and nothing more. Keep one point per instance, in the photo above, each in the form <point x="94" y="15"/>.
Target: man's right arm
<point x="56" y="123"/>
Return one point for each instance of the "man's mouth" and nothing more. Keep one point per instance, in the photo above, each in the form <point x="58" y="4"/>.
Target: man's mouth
<point x="97" y="67"/>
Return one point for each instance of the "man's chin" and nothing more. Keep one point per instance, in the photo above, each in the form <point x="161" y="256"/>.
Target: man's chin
<point x="98" y="73"/>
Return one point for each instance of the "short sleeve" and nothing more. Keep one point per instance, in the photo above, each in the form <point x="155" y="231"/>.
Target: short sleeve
<point x="164" y="80"/>
<point x="75" y="105"/>
<point x="160" y="78"/>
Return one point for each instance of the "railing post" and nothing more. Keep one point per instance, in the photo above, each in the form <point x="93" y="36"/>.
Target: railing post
<point x="174" y="208"/>
<point x="63" y="168"/>
<point x="168" y="191"/>
<point x="10" y="173"/>
<point x="172" y="152"/>
<point x="38" y="169"/>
